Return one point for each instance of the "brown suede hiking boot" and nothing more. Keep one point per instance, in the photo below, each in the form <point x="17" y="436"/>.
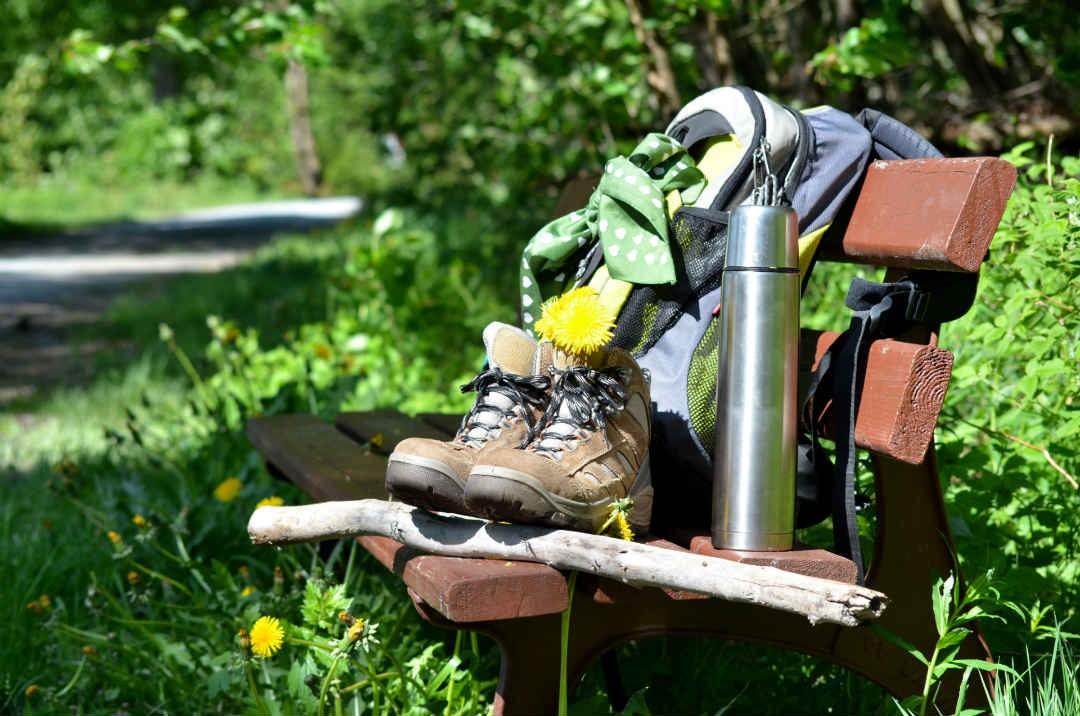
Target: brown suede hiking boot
<point x="512" y="395"/>
<point x="591" y="448"/>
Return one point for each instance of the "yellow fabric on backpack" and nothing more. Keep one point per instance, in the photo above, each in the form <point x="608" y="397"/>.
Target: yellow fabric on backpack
<point x="808" y="247"/>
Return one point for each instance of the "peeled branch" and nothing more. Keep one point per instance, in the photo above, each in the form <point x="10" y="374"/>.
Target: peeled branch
<point x="819" y="600"/>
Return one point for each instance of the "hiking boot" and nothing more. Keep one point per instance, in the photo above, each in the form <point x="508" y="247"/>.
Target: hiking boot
<point x="590" y="449"/>
<point x="512" y="394"/>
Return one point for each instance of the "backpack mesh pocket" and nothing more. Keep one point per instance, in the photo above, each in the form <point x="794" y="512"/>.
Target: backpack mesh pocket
<point x="698" y="250"/>
<point x="701" y="385"/>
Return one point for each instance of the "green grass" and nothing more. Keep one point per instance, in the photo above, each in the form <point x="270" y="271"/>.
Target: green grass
<point x="350" y="318"/>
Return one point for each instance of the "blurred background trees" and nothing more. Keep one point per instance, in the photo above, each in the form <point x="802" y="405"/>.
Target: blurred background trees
<point x="498" y="98"/>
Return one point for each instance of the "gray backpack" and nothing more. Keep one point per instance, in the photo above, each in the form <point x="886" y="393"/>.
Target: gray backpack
<point x="817" y="159"/>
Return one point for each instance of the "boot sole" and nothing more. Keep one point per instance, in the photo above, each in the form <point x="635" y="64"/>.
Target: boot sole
<point x="425" y="483"/>
<point x="501" y="493"/>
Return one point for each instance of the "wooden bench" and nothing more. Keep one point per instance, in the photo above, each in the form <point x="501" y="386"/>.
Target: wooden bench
<point x="930" y="215"/>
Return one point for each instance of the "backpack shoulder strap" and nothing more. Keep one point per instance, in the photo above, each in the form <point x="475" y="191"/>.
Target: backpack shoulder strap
<point x="892" y="139"/>
<point x="879" y="309"/>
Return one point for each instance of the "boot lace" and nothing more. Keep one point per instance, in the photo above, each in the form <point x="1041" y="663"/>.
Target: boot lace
<point x="582" y="399"/>
<point x="501" y="397"/>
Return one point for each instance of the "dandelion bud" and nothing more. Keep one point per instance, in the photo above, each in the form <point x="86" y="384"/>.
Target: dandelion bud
<point x="138" y="521"/>
<point x="356" y="630"/>
<point x="115" y="538"/>
<point x="88" y="650"/>
<point x="133" y="578"/>
<point x="244" y="639"/>
<point x="345" y="617"/>
<point x="32" y="691"/>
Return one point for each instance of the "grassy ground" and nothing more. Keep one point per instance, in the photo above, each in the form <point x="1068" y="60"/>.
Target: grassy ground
<point x="129" y="583"/>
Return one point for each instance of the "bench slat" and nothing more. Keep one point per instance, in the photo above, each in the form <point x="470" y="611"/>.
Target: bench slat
<point x="474" y="590"/>
<point x="902" y="394"/>
<point x="321" y="461"/>
<point x="937" y="214"/>
<point x="392" y="426"/>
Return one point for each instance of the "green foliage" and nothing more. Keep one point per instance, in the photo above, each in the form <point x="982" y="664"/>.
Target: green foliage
<point x="1010" y="425"/>
<point x="878" y="45"/>
<point x="956" y="609"/>
<point x="151" y="615"/>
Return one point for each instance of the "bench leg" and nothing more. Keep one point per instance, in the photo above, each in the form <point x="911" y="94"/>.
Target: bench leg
<point x="529" y="672"/>
<point x="529" y="668"/>
<point x="912" y="547"/>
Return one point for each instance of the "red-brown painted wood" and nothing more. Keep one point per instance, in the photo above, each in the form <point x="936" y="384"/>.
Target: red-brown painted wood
<point x="470" y="590"/>
<point x="902" y="394"/>
<point x="935" y="214"/>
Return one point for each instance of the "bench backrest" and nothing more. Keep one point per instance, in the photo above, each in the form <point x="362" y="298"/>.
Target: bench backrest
<point x="926" y="214"/>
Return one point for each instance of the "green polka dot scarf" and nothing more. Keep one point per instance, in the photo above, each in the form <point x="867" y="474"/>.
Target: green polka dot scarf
<point x="627" y="214"/>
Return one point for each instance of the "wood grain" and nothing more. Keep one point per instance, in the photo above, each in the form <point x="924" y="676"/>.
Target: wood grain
<point x="926" y="213"/>
<point x="902" y="394"/>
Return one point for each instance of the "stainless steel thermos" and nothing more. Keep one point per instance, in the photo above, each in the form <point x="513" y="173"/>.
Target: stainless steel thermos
<point x="756" y="412"/>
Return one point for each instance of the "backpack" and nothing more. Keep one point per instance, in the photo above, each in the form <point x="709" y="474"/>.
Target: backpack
<point x="714" y="153"/>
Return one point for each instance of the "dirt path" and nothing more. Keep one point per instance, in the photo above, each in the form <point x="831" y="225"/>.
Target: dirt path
<point x="50" y="286"/>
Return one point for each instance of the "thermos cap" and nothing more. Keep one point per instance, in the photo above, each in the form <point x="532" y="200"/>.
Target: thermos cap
<point x="764" y="237"/>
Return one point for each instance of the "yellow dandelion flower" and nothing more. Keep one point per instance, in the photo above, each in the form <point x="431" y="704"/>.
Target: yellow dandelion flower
<point x="356" y="630"/>
<point x="577" y="322"/>
<point x="272" y="501"/>
<point x="88" y="650"/>
<point x="115" y="538"/>
<point x="138" y="520"/>
<point x="32" y="691"/>
<point x="228" y="489"/>
<point x="617" y="518"/>
<point x="133" y="578"/>
<point x="247" y="591"/>
<point x="267" y="636"/>
<point x="377" y="440"/>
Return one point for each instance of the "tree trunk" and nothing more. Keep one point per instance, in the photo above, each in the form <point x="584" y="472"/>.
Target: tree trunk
<point x="660" y="77"/>
<point x="307" y="158"/>
<point x="711" y="51"/>
<point x="968" y="60"/>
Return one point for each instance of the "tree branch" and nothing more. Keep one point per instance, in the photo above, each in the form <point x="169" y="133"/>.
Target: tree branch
<point x="819" y="600"/>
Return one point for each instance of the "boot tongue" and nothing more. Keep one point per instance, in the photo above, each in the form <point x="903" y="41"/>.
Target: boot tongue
<point x="509" y="348"/>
